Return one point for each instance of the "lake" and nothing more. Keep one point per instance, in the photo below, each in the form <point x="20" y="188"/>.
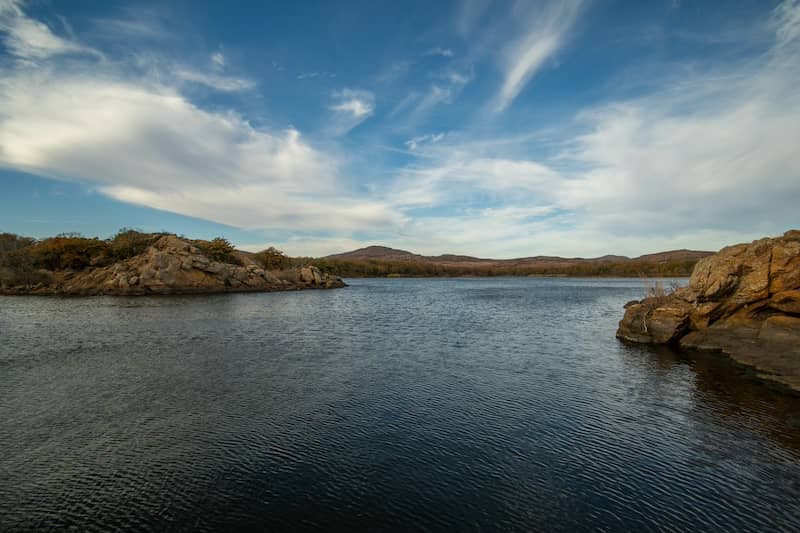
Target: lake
<point x="426" y="404"/>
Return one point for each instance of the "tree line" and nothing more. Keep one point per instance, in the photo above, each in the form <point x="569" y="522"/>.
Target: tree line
<point x="421" y="268"/>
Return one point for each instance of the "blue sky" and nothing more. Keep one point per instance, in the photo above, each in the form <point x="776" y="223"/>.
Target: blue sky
<point x="500" y="129"/>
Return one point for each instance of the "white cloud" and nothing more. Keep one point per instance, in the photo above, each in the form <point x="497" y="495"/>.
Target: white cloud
<point x="709" y="160"/>
<point x="215" y="81"/>
<point x="462" y="180"/>
<point x="787" y="21"/>
<point x="141" y="141"/>
<point x="133" y="23"/>
<point x="727" y="165"/>
<point x="150" y="146"/>
<point x="545" y="30"/>
<point x="437" y="94"/>
<point x="502" y="236"/>
<point x="312" y="75"/>
<point x="713" y="150"/>
<point x="458" y="79"/>
<point x="404" y="104"/>
<point x="31" y="39"/>
<point x="439" y="51"/>
<point x="360" y="104"/>
<point x="218" y="60"/>
<point x="428" y="138"/>
<point x="351" y="107"/>
<point x="444" y="91"/>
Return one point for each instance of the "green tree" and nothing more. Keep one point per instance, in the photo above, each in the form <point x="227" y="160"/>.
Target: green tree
<point x="219" y="249"/>
<point x="273" y="259"/>
<point x="129" y="243"/>
<point x="70" y="252"/>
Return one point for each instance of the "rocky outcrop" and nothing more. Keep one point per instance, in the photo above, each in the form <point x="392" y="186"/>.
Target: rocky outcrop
<point x="173" y="266"/>
<point x="743" y="301"/>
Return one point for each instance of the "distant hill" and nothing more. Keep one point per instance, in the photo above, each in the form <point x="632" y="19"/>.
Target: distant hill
<point x="375" y="252"/>
<point x="674" y="255"/>
<point x="385" y="253"/>
<point x="382" y="260"/>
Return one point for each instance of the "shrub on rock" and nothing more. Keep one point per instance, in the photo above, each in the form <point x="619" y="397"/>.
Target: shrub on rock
<point x="219" y="249"/>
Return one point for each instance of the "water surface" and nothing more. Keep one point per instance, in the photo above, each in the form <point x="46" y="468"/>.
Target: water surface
<point x="470" y="404"/>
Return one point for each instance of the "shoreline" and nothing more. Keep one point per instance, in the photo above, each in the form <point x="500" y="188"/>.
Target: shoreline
<point x="565" y="276"/>
<point x="177" y="292"/>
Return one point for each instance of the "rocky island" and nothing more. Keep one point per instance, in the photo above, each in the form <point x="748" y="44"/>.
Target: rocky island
<point x="743" y="301"/>
<point x="136" y="263"/>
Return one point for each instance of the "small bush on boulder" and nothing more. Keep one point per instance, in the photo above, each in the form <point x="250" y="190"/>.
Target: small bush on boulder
<point x="129" y="243"/>
<point x="273" y="259"/>
<point x="219" y="249"/>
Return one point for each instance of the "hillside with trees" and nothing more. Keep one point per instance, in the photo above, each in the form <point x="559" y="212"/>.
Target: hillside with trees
<point x="380" y="261"/>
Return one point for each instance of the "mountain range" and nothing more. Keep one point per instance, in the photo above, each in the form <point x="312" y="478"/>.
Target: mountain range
<point x="386" y="254"/>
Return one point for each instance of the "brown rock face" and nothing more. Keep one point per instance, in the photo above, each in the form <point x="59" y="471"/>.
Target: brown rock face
<point x="654" y="322"/>
<point x="744" y="301"/>
<point x="787" y="302"/>
<point x="174" y="266"/>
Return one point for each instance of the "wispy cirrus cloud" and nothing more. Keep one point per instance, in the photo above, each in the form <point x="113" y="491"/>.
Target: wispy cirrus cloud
<point x="438" y="51"/>
<point x="456" y="178"/>
<point x="448" y="85"/>
<point x="30" y="39"/>
<point x="351" y="107"/>
<point x="310" y="75"/>
<point x="429" y="138"/>
<point x="544" y="31"/>
<point x="218" y="60"/>
<point x="215" y="81"/>
<point x="134" y="24"/>
<point x="708" y="159"/>
<point x="786" y="19"/>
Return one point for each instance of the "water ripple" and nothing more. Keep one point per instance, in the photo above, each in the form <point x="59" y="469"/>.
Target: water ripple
<point x="491" y="404"/>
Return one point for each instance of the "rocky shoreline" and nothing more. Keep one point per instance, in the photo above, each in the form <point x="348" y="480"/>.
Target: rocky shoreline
<point x="743" y="301"/>
<point x="172" y="265"/>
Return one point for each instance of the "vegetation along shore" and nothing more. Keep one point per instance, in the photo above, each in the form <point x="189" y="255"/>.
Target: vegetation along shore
<point x="134" y="263"/>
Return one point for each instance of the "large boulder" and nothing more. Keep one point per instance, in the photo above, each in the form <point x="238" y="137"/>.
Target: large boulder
<point x="313" y="276"/>
<point x="652" y="321"/>
<point x="744" y="301"/>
